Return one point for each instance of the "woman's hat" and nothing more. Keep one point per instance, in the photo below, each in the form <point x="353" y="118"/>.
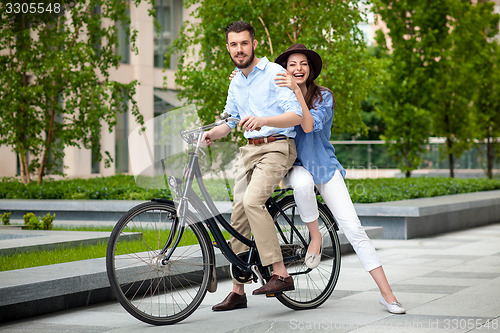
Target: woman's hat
<point x="314" y="59"/>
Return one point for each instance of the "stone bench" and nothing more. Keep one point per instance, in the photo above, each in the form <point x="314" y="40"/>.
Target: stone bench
<point x="424" y="217"/>
<point x="403" y="219"/>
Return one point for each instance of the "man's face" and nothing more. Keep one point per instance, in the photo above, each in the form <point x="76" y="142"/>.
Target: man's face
<point x="241" y="48"/>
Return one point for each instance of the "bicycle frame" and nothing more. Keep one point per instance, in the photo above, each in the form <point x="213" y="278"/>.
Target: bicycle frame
<point x="209" y="212"/>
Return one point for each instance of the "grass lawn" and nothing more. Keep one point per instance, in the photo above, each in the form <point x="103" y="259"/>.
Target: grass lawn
<point x="62" y="255"/>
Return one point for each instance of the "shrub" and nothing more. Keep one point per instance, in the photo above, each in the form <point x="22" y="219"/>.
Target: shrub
<point x="6" y="218"/>
<point x="27" y="217"/>
<point x="32" y="222"/>
<point x="47" y="221"/>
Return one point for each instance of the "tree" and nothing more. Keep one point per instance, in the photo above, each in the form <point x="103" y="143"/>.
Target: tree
<point x="488" y="103"/>
<point x="54" y="78"/>
<point x="435" y="47"/>
<point x="412" y="25"/>
<point x="328" y="27"/>
<point x="460" y="72"/>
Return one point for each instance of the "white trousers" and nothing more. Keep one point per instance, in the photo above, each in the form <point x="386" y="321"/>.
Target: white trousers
<point x="336" y="197"/>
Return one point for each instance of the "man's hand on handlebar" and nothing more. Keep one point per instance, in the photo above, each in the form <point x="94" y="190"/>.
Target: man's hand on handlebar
<point x="206" y="140"/>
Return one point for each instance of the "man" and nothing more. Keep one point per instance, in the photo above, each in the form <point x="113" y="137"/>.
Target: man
<point x="268" y="114"/>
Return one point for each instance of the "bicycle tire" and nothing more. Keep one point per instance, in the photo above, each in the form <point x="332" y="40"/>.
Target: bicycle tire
<point x="312" y="287"/>
<point x="150" y="291"/>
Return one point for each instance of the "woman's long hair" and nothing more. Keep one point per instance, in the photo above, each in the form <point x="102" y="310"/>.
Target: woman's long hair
<point x="313" y="94"/>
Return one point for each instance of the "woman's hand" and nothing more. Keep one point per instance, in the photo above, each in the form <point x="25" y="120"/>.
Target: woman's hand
<point x="233" y="74"/>
<point x="286" y="80"/>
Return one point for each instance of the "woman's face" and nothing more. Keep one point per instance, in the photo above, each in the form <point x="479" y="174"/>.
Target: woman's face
<point x="298" y="66"/>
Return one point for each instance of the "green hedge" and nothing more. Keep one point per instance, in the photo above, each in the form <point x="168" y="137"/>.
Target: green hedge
<point x="391" y="189"/>
<point x="120" y="187"/>
<point x="123" y="187"/>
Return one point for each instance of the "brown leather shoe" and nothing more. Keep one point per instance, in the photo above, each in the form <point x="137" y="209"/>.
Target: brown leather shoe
<point x="275" y="285"/>
<point x="231" y="302"/>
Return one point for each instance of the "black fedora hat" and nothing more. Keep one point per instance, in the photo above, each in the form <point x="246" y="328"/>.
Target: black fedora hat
<point x="315" y="60"/>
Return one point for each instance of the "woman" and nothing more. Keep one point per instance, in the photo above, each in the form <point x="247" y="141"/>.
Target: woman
<point x="318" y="166"/>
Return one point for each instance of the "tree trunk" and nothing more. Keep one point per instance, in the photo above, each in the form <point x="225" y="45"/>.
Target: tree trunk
<point x="451" y="159"/>
<point x="48" y="139"/>
<point x="408" y="173"/>
<point x="25" y="174"/>
<point x="490" y="157"/>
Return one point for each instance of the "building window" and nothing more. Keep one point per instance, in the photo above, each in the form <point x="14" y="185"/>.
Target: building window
<point x="164" y="101"/>
<point x="121" y="140"/>
<point x="96" y="164"/>
<point x="123" y="48"/>
<point x="169" y="15"/>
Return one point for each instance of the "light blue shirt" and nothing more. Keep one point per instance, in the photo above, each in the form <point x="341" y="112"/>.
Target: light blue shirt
<point x="258" y="95"/>
<point x="314" y="150"/>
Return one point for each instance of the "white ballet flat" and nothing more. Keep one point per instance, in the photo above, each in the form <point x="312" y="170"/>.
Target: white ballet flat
<point x="394" y="307"/>
<point x="312" y="260"/>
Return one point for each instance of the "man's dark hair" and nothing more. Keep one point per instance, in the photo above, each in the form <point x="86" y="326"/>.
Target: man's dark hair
<point x="240" y="26"/>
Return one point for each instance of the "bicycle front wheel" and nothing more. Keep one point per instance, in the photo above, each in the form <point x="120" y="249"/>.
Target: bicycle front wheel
<point x="150" y="289"/>
<point x="312" y="286"/>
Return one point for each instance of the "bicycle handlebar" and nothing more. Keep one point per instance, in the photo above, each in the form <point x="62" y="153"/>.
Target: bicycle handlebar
<point x="190" y="136"/>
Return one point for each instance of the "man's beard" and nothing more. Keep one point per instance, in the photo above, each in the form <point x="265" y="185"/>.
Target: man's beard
<point x="246" y="63"/>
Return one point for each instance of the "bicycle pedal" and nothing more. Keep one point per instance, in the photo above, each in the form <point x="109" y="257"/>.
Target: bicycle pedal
<point x="273" y="295"/>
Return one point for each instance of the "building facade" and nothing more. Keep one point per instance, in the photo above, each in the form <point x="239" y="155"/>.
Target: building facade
<point x="152" y="97"/>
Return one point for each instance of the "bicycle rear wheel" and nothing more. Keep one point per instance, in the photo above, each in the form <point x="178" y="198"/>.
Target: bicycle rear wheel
<point x="312" y="287"/>
<point x="148" y="289"/>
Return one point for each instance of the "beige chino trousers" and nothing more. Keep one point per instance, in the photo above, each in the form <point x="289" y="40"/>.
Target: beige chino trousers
<point x="264" y="167"/>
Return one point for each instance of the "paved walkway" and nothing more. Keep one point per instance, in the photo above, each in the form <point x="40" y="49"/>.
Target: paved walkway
<point x="448" y="283"/>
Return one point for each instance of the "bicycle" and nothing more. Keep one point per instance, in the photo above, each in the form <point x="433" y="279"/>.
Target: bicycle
<point x="161" y="260"/>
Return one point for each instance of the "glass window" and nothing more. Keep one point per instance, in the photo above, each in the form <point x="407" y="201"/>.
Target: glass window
<point x="164" y="101"/>
<point x="121" y="140"/>
<point x="123" y="48"/>
<point x="169" y="15"/>
<point x="96" y="164"/>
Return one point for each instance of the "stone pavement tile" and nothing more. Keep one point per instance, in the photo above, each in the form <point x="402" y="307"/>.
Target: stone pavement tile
<point x="94" y="318"/>
<point x="105" y="320"/>
<point x="397" y="273"/>
<point x="420" y="323"/>
<point x="491" y="326"/>
<point x="484" y="247"/>
<point x="34" y="327"/>
<point x="359" y="280"/>
<point x="425" y="289"/>
<point x="429" y="261"/>
<point x="490" y="264"/>
<point x="477" y="301"/>
<point x="462" y="257"/>
<point x="461" y="274"/>
<point x="409" y="300"/>
<point x="448" y="281"/>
